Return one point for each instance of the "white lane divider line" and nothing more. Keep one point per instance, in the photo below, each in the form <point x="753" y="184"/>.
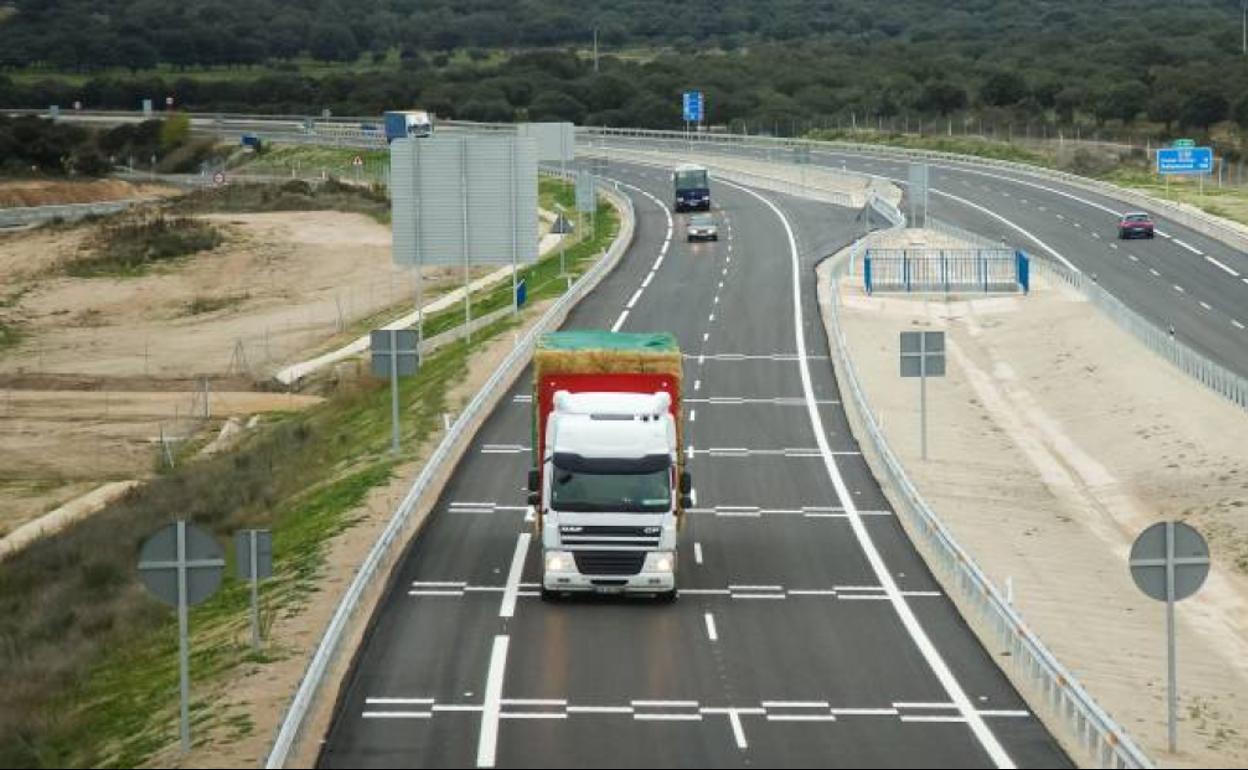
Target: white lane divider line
<point x="645" y="284"/>
<point x="487" y="744"/>
<point x="738" y="732"/>
<point x="697" y="385"/>
<point x="1224" y="268"/>
<point x="710" y="627"/>
<point x="508" y="607"/>
<point x="697" y="553"/>
<point x="1133" y="258"/>
<point x="706" y="336"/>
<point x="711" y="318"/>
<point x="1236" y="324"/>
<point x="633" y="301"/>
<point x="991" y="745"/>
<point x="1205" y="305"/>
<point x="1096" y="236"/>
<point x="1179" y="289"/>
<point x="693" y="415"/>
<point x="1154" y="272"/>
<point x="1113" y="246"/>
<point x="1189" y="247"/>
<point x="619" y="321"/>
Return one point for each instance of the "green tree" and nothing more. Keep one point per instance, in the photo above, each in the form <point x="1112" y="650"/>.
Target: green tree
<point x="1202" y="108"/>
<point x="174" y="132"/>
<point x="1003" y="89"/>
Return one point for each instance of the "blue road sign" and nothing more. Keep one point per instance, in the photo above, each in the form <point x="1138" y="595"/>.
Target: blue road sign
<point x="693" y="106"/>
<point x="1185" y="160"/>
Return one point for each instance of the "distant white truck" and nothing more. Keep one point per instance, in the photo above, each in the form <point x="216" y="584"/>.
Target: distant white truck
<point x="404" y="124"/>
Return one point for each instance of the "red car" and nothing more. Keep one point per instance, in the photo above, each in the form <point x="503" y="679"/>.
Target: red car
<point x="1135" y="224"/>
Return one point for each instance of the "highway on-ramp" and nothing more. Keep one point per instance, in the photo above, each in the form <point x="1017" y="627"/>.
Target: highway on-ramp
<point x="808" y="631"/>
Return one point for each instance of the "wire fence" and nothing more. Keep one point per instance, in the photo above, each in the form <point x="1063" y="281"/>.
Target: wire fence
<point x="945" y="270"/>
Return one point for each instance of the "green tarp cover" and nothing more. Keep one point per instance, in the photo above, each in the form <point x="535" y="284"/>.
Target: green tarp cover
<point x="594" y="339"/>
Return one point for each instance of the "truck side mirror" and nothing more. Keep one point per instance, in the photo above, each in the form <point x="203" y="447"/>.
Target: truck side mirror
<point x="686" y="502"/>
<point x="686" y="483"/>
<point x="534" y="498"/>
<point x="535" y="481"/>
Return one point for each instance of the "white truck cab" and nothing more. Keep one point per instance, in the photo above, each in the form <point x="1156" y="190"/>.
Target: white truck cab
<point x="609" y="494"/>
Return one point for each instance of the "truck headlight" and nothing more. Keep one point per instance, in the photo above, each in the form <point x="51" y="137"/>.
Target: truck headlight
<point x="558" y="561"/>
<point x="660" y="561"/>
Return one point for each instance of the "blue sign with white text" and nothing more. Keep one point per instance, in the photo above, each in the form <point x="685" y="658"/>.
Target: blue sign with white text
<point x="1185" y="160"/>
<point x="693" y="106"/>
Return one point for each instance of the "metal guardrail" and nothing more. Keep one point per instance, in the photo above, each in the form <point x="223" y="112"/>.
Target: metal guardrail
<point x="1031" y="661"/>
<point x="1212" y="375"/>
<point x="329" y="647"/>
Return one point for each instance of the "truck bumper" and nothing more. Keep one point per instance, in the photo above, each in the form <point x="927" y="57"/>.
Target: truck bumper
<point x="641" y="583"/>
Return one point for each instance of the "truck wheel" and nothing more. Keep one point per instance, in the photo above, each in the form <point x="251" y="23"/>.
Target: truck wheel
<point x="549" y="595"/>
<point x="667" y="597"/>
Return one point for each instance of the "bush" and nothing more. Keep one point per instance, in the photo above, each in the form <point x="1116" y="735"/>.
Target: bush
<point x="130" y="246"/>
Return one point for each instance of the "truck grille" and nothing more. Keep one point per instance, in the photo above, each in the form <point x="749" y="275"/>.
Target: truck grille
<point x="634" y="537"/>
<point x="609" y="562"/>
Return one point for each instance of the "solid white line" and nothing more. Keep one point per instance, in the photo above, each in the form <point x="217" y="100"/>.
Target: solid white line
<point x="669" y="717"/>
<point x="923" y="705"/>
<point x="710" y="627"/>
<point x="925" y="718"/>
<point x="534" y="701"/>
<point x="633" y="301"/>
<point x="488" y="742"/>
<point x="693" y="704"/>
<point x="649" y="277"/>
<point x="1189" y="247"/>
<point x="533" y="715"/>
<point x="619" y="321"/>
<point x="1005" y="713"/>
<point x="438" y="584"/>
<point x="864" y="712"/>
<point x="983" y="734"/>
<point x="508" y="606"/>
<point x="738" y="732"/>
<point x="801" y="718"/>
<point x="795" y="704"/>
<point x="758" y="596"/>
<point x="457" y="707"/>
<point x="732" y="587"/>
<point x="435" y="593"/>
<point x="600" y="709"/>
<point x="398" y="701"/>
<point x="1222" y="267"/>
<point x="397" y="714"/>
<point x="697" y="553"/>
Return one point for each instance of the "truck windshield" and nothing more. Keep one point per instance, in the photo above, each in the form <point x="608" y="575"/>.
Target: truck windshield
<point x="582" y="492"/>
<point x="691" y="180"/>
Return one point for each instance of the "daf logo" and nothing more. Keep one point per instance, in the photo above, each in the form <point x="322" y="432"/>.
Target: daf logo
<point x="571" y="530"/>
<point x="652" y="530"/>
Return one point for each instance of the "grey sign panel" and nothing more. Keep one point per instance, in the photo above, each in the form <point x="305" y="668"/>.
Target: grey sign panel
<point x="555" y="141"/>
<point x="1151" y="553"/>
<point x="408" y="357"/>
<point x="918" y="194"/>
<point x="264" y="553"/>
<point x="158" y="564"/>
<point x="920" y="351"/>
<point x="457" y="198"/>
<point x="585" y="192"/>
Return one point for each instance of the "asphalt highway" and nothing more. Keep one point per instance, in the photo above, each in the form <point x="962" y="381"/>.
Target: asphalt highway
<point x="808" y="632"/>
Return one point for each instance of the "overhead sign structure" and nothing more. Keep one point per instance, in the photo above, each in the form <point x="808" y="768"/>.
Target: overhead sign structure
<point x="396" y="353"/>
<point x="918" y="194"/>
<point x="464" y="200"/>
<point x="694" y="105"/>
<point x="1185" y="160"/>
<point x="923" y="356"/>
<point x="182" y="565"/>
<point x="555" y="141"/>
<point x="1169" y="562"/>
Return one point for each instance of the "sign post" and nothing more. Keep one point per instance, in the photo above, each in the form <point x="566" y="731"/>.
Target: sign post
<point x="396" y="354"/>
<point x="182" y="565"/>
<point x="923" y="356"/>
<point x="1169" y="562"/>
<point x="253" y="557"/>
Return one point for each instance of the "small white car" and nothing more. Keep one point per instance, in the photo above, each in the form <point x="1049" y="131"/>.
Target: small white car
<point x="702" y="227"/>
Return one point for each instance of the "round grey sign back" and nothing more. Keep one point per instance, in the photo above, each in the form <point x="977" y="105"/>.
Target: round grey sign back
<point x="1151" y="553"/>
<point x="158" y="564"/>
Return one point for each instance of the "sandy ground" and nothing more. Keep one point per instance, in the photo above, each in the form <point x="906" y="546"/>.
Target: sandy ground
<point x="56" y="445"/>
<point x="290" y="280"/>
<point x="46" y="192"/>
<point x="1055" y="439"/>
<point x="264" y="690"/>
